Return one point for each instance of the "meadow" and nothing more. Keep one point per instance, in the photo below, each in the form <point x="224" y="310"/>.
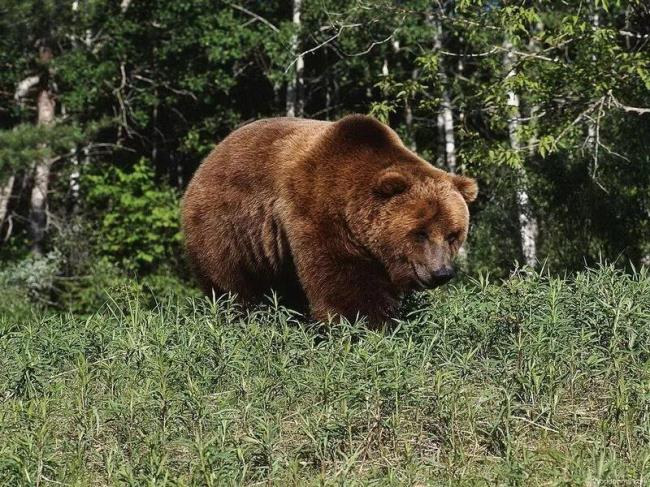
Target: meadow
<point x="532" y="380"/>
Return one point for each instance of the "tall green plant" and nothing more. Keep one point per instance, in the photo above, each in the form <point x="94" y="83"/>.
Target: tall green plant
<point x="137" y="218"/>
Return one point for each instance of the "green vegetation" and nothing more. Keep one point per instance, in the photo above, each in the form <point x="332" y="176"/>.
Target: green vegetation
<point x="113" y="104"/>
<point x="528" y="381"/>
<point x="114" y="370"/>
<point x="138" y="221"/>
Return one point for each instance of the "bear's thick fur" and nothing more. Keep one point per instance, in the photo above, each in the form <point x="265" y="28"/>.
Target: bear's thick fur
<point x="337" y="216"/>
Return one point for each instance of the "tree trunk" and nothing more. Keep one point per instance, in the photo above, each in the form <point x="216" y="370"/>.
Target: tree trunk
<point x="408" y="110"/>
<point x="75" y="177"/>
<point x="24" y="86"/>
<point x="295" y="85"/>
<point x="440" y="154"/>
<point x="446" y="117"/>
<point x="527" y="222"/>
<point x="5" y="194"/>
<point x="385" y="70"/>
<point x="38" y="210"/>
<point x="328" y="94"/>
<point x="384" y="67"/>
<point x="277" y="89"/>
<point x="534" y="110"/>
<point x="22" y="89"/>
<point x="408" y="118"/>
<point x="448" y="128"/>
<point x="592" y="143"/>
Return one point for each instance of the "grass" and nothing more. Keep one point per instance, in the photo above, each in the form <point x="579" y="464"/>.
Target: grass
<point x="531" y="381"/>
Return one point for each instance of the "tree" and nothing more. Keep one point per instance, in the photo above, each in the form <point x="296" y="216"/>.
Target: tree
<point x="446" y="114"/>
<point x="528" y="228"/>
<point x="552" y="120"/>
<point x="295" y="85"/>
<point x="5" y="194"/>
<point x="46" y="106"/>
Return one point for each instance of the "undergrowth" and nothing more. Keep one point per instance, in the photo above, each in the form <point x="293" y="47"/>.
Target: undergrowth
<point x="532" y="380"/>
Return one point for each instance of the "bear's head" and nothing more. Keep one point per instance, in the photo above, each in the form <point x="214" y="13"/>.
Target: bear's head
<point x="410" y="216"/>
<point x="417" y="222"/>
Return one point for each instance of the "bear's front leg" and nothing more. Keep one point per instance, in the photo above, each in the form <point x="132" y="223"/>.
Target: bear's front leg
<point x="348" y="286"/>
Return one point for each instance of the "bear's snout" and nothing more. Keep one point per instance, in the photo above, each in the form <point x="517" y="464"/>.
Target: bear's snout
<point x="441" y="276"/>
<point x="429" y="279"/>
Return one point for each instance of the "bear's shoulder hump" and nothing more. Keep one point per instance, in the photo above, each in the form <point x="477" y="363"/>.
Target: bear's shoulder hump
<point x="362" y="130"/>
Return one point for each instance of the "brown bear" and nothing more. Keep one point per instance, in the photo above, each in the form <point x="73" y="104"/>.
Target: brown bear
<point x="338" y="216"/>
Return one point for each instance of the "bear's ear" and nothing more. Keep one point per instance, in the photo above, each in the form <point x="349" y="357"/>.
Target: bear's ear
<point x="390" y="182"/>
<point x="467" y="187"/>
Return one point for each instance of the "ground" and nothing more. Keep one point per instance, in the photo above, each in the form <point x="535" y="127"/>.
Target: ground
<point x="534" y="380"/>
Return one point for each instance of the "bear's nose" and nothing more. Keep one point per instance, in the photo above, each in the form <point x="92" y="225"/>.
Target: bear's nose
<point x="441" y="276"/>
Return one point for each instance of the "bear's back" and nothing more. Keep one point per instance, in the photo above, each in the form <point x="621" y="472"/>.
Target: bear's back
<point x="229" y="211"/>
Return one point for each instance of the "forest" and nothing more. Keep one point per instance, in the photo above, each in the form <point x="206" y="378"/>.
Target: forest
<point x="107" y="108"/>
<point x="531" y="366"/>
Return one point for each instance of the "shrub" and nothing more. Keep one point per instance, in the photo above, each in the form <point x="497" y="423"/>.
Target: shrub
<point x="137" y="219"/>
<point x="34" y="276"/>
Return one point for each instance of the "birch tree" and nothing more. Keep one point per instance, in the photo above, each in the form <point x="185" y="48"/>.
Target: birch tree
<point x="6" y="190"/>
<point x="295" y="85"/>
<point x="8" y="177"/>
<point x="528" y="228"/>
<point x="46" y="106"/>
<point x="446" y="115"/>
<point x="408" y="117"/>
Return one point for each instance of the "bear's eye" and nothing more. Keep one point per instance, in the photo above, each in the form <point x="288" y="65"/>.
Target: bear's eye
<point x="452" y="238"/>
<point x="421" y="235"/>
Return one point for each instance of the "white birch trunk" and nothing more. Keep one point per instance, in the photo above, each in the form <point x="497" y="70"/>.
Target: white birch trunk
<point x="331" y="94"/>
<point x="446" y="116"/>
<point x="5" y="194"/>
<point x="75" y="176"/>
<point x="534" y="110"/>
<point x="295" y="85"/>
<point x="591" y="141"/>
<point x="528" y="228"/>
<point x="23" y="87"/>
<point x="408" y="110"/>
<point x="408" y="118"/>
<point x="38" y="200"/>
<point x="440" y="125"/>
<point x="448" y="128"/>
<point x="384" y="68"/>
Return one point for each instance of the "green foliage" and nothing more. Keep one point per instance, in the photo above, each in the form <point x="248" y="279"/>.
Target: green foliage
<point x="103" y="282"/>
<point x="517" y="382"/>
<point x="109" y="380"/>
<point x="34" y="275"/>
<point x="26" y="143"/>
<point x="20" y="285"/>
<point x="166" y="80"/>
<point x="139" y="223"/>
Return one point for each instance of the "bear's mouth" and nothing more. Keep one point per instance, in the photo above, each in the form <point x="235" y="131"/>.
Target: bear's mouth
<point x="419" y="280"/>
